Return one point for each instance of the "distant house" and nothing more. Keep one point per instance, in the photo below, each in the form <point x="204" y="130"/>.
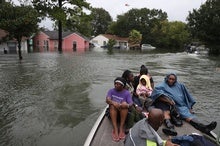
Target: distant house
<point x="102" y="40"/>
<point x="11" y="46"/>
<point x="71" y="41"/>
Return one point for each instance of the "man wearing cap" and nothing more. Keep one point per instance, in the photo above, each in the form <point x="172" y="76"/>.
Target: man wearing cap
<point x="119" y="100"/>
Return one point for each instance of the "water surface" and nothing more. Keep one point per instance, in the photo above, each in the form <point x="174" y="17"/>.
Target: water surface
<point x="51" y="99"/>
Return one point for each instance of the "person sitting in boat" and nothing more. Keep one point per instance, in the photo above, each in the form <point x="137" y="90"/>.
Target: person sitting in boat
<point x="172" y="93"/>
<point x="119" y="100"/>
<point x="144" y="91"/>
<point x="135" y="112"/>
<point x="129" y="77"/>
<point x="143" y="133"/>
<point x="143" y="71"/>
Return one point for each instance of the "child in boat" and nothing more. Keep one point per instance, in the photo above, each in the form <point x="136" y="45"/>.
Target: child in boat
<point x="144" y="91"/>
<point x="143" y="71"/>
<point x="119" y="100"/>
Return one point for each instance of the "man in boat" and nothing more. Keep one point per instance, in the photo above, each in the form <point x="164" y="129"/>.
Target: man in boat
<point x="119" y="100"/>
<point x="171" y="93"/>
<point x="143" y="133"/>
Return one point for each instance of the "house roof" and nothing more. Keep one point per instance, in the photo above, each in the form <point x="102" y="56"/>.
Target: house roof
<point x="2" y="33"/>
<point x="114" y="37"/>
<point x="54" y="34"/>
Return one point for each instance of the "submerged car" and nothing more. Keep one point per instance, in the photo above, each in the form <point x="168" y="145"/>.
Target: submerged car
<point x="147" y="47"/>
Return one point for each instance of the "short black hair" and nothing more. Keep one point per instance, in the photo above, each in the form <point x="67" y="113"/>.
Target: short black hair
<point x="143" y="71"/>
<point x="143" y="66"/>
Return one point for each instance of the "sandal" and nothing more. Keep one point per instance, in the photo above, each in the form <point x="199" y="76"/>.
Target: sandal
<point x="114" y="137"/>
<point x="122" y="136"/>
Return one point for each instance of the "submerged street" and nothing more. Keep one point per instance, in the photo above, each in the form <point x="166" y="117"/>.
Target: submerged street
<point x="54" y="99"/>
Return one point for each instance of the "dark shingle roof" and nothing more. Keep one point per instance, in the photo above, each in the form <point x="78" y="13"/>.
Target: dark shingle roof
<point x="54" y="34"/>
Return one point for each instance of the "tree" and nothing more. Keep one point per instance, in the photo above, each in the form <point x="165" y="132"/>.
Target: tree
<point x="204" y="23"/>
<point x="135" y="38"/>
<point x="101" y="19"/>
<point x="141" y="20"/>
<point x="171" y="34"/>
<point x="18" y="21"/>
<point x="110" y="45"/>
<point x="2" y="1"/>
<point x="80" y="22"/>
<point x="60" y="10"/>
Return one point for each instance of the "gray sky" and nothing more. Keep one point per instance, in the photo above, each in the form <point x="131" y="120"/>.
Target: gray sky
<point x="175" y="9"/>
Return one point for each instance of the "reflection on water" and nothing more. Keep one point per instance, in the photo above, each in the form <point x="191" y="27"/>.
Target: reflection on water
<point x="54" y="99"/>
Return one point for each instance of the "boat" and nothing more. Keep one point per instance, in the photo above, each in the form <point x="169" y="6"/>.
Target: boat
<point x="100" y="134"/>
<point x="197" y="49"/>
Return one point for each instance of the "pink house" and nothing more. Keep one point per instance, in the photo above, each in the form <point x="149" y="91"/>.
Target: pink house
<point x="48" y="41"/>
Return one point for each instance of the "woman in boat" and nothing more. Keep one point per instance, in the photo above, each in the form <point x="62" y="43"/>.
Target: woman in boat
<point x="172" y="93"/>
<point x="119" y="100"/>
<point x="129" y="77"/>
<point x="134" y="112"/>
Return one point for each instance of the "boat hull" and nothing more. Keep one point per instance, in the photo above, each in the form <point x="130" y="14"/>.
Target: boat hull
<point x="100" y="135"/>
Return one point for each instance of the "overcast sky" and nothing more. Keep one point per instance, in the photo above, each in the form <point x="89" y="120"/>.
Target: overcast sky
<point x="175" y="9"/>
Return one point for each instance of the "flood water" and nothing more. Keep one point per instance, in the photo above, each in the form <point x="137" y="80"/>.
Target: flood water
<point x="51" y="99"/>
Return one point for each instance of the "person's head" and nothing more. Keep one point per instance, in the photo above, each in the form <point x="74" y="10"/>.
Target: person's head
<point x="171" y="79"/>
<point x="119" y="83"/>
<point x="143" y="71"/>
<point x="128" y="76"/>
<point x="143" y="66"/>
<point x="143" y="81"/>
<point x="155" y="118"/>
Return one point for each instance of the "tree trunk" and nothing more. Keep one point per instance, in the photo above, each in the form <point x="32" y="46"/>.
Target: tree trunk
<point x="60" y="36"/>
<point x="19" y="49"/>
<point x="60" y="30"/>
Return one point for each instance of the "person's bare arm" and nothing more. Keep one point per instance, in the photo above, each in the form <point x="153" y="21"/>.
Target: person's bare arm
<point x="113" y="103"/>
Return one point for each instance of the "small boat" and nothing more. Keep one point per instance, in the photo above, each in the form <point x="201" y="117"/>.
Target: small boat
<point x="100" y="134"/>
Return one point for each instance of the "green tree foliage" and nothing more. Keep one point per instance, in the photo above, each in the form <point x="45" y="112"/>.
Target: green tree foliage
<point x="112" y="28"/>
<point x="101" y="19"/>
<point x="204" y="23"/>
<point x="171" y="34"/>
<point x="141" y="20"/>
<point x="18" y="21"/>
<point x="135" y="38"/>
<point x="2" y="1"/>
<point x="60" y="10"/>
<point x="79" y="22"/>
<point x="110" y="45"/>
<point x="153" y="26"/>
